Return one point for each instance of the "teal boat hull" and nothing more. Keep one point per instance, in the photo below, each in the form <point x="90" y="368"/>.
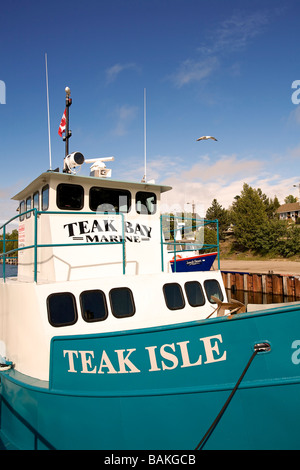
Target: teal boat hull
<point x="161" y="388"/>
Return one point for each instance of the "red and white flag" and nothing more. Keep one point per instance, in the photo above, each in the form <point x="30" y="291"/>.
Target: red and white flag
<point x="62" y="127"/>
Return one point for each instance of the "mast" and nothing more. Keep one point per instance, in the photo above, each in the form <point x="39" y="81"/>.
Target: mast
<point x="49" y="138"/>
<point x="145" y="156"/>
<point x="67" y="132"/>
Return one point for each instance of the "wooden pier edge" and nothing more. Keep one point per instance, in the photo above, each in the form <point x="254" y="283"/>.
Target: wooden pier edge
<point x="279" y="284"/>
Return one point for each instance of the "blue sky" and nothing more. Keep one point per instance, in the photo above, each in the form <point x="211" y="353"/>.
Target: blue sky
<point x="221" y="68"/>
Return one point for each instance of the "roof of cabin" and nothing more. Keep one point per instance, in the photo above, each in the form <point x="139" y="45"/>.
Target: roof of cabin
<point x="90" y="181"/>
<point x="289" y="207"/>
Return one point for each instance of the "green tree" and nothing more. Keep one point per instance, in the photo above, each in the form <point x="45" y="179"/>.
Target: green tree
<point x="216" y="211"/>
<point x="249" y="217"/>
<point x="290" y="199"/>
<point x="271" y="205"/>
<point x="289" y="245"/>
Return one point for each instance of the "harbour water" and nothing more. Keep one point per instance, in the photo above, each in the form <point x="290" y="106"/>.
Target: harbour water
<point x="247" y="297"/>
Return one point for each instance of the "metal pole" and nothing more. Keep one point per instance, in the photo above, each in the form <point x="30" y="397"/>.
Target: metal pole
<point x="145" y="145"/>
<point x="67" y="133"/>
<point x="49" y="138"/>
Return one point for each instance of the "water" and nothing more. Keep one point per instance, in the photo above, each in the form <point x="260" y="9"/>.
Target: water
<point x="11" y="270"/>
<point x="259" y="298"/>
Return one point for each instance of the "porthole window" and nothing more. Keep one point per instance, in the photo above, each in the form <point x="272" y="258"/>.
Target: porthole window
<point x="194" y="293"/>
<point x="212" y="288"/>
<point x="145" y="203"/>
<point x="93" y="305"/>
<point x="122" y="303"/>
<point x="69" y="196"/>
<point x="62" y="309"/>
<point x="173" y="296"/>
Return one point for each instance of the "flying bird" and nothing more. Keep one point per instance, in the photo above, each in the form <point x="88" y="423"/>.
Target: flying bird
<point x="205" y="137"/>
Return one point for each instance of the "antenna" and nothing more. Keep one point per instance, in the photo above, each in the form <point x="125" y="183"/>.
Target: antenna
<point x="145" y="156"/>
<point x="49" y="138"/>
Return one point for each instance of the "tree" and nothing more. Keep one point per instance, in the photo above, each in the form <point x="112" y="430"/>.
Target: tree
<point x="290" y="199"/>
<point x="249" y="217"/>
<point x="216" y="211"/>
<point x="271" y="205"/>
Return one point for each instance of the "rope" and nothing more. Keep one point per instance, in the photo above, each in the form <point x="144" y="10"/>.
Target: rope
<point x="257" y="348"/>
<point x="6" y="366"/>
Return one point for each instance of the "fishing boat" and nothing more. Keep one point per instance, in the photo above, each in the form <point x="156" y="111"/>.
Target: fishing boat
<point x="103" y="346"/>
<point x="192" y="261"/>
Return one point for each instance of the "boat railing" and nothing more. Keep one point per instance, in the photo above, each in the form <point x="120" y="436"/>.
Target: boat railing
<point x="35" y="246"/>
<point x="196" y="225"/>
<point x="191" y="227"/>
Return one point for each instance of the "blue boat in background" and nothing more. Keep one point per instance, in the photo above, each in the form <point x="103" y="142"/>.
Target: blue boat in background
<point x="195" y="262"/>
<point x="103" y="346"/>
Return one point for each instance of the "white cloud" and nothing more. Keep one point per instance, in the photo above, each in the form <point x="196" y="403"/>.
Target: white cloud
<point x="222" y="179"/>
<point x="235" y="32"/>
<point x="113" y="72"/>
<point x="124" y="115"/>
<point x="229" y="36"/>
<point x="194" y="70"/>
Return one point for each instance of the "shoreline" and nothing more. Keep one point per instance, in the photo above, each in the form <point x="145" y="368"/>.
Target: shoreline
<point x="285" y="267"/>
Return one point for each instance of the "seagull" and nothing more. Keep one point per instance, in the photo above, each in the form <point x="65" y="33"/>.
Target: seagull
<point x="205" y="137"/>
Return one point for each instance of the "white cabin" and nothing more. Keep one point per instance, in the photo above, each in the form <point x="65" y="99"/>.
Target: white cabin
<point x="77" y="212"/>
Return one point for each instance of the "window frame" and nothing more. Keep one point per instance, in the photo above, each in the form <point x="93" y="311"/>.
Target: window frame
<point x="64" y="208"/>
<point x="181" y="292"/>
<point x="117" y="190"/>
<point x="112" y="306"/>
<point x="28" y="199"/>
<point x="202" y="292"/>
<point x="150" y="193"/>
<point x="22" y="203"/>
<point x="44" y="190"/>
<point x="36" y="193"/>
<point x="104" y="301"/>
<point x="59" y="325"/>
<point x="220" y="289"/>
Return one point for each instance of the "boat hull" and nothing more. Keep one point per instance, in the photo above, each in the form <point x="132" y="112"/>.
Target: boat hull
<point x="194" y="263"/>
<point x="161" y="388"/>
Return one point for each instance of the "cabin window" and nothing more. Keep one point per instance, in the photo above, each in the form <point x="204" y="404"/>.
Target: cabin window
<point x="28" y="207"/>
<point x="45" y="198"/>
<point x="173" y="296"/>
<point x="69" y="196"/>
<point x="62" y="309"/>
<point x="122" y="303"/>
<point x="212" y="288"/>
<point x="36" y="201"/>
<point x="109" y="200"/>
<point x="22" y="209"/>
<point x="194" y="293"/>
<point x="145" y="203"/>
<point x="93" y="305"/>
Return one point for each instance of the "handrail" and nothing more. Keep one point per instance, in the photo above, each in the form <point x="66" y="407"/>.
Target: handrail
<point x="193" y="228"/>
<point x="35" y="245"/>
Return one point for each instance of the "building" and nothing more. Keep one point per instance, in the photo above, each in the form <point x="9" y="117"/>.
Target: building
<point x="290" y="211"/>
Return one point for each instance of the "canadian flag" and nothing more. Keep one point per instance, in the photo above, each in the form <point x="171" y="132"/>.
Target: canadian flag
<point x="62" y="127"/>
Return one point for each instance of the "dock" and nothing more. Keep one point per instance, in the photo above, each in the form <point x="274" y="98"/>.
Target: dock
<point x="270" y="283"/>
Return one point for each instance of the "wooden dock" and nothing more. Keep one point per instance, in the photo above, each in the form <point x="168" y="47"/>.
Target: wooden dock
<point x="276" y="284"/>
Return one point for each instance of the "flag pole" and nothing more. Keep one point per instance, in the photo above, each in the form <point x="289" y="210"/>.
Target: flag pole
<point x="67" y="132"/>
<point x="49" y="138"/>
